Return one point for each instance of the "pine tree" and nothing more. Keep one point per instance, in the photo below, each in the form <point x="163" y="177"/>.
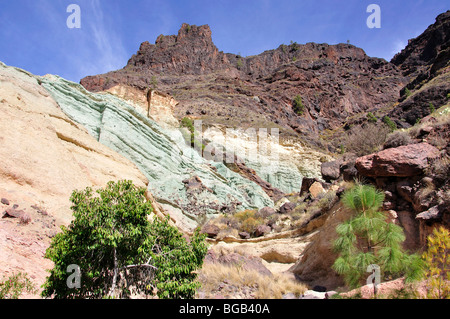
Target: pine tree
<point x="368" y="239"/>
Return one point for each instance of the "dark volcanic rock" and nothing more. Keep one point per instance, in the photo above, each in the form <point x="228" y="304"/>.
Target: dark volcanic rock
<point x="424" y="59"/>
<point x="334" y="81"/>
<point x="331" y="170"/>
<point x="425" y="49"/>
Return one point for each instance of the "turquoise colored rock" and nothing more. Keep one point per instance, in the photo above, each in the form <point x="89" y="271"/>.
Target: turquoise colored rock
<point x="160" y="153"/>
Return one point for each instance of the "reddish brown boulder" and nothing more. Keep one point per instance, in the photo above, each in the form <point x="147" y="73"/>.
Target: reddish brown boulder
<point x="331" y="170"/>
<point x="210" y="230"/>
<point x="403" y="161"/>
<point x="287" y="208"/>
<point x="20" y="214"/>
<point x="262" y="230"/>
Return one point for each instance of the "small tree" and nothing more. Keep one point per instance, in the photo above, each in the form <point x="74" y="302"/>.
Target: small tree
<point x="431" y="107"/>
<point x="407" y="92"/>
<point x="437" y="259"/>
<point x="119" y="251"/>
<point x="368" y="239"/>
<point x="298" y="106"/>
<point x="391" y="124"/>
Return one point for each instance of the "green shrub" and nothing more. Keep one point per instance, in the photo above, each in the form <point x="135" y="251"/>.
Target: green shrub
<point x="239" y="64"/>
<point x="187" y="123"/>
<point x="294" y="46"/>
<point x="407" y="92"/>
<point x="371" y="118"/>
<point x="391" y="124"/>
<point x="154" y="82"/>
<point x="119" y="251"/>
<point x="14" y="286"/>
<point x="431" y="107"/>
<point x="297" y="105"/>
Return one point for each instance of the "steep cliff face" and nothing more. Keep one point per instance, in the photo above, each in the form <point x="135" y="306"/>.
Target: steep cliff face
<point x="426" y="63"/>
<point x="334" y="81"/>
<point x="427" y="49"/>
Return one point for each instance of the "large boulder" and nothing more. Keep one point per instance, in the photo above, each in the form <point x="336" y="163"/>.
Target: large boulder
<point x="287" y="207"/>
<point x="262" y="230"/>
<point x="331" y="170"/>
<point x="316" y="189"/>
<point x="314" y="267"/>
<point x="210" y="230"/>
<point x="403" y="161"/>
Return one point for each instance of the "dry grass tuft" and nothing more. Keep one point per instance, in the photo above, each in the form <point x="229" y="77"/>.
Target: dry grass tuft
<point x="213" y="277"/>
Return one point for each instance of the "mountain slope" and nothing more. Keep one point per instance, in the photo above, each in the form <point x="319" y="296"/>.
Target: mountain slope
<point x="426" y="63"/>
<point x="334" y="81"/>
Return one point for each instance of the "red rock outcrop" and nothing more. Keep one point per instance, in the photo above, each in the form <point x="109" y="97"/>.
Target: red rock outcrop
<point x="403" y="161"/>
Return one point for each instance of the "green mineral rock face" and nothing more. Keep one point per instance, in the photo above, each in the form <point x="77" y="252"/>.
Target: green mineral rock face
<point x="160" y="153"/>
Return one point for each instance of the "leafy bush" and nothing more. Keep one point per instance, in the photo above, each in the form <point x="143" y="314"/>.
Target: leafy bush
<point x="187" y="123"/>
<point x="437" y="258"/>
<point x="119" y="251"/>
<point x="367" y="239"/>
<point x="248" y="220"/>
<point x="239" y="64"/>
<point x="297" y="105"/>
<point x="396" y="139"/>
<point x="14" y="286"/>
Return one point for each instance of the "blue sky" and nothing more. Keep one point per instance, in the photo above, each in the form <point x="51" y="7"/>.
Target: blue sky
<point x="34" y="34"/>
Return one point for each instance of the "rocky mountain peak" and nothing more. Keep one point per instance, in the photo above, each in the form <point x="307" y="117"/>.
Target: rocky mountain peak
<point x="188" y="31"/>
<point x="192" y="51"/>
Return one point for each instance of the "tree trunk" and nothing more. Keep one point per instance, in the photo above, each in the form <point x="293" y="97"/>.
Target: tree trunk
<point x="116" y="272"/>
